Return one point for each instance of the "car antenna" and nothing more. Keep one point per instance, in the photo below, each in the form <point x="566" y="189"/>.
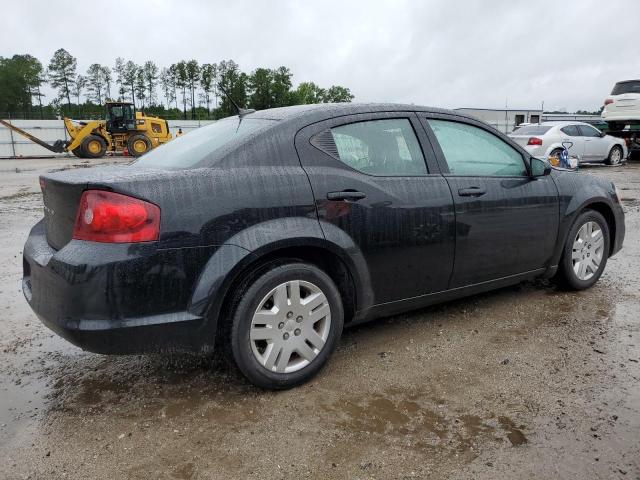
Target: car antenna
<point x="241" y="111"/>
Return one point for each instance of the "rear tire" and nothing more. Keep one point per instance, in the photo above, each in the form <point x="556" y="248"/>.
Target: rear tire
<point x="93" y="146"/>
<point x="78" y="152"/>
<point x="556" y="153"/>
<point x="585" y="251"/>
<point x="615" y="155"/>
<point x="138" y="145"/>
<point x="286" y="321"/>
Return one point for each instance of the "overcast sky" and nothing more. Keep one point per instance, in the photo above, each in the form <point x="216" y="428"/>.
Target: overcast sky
<point x="567" y="53"/>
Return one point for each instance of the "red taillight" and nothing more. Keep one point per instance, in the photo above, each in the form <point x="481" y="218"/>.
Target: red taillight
<point x="114" y="218"/>
<point x="608" y="101"/>
<point x="534" y="141"/>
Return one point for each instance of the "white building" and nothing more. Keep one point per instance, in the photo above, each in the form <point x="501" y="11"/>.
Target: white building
<point x="570" y="117"/>
<point x="504" y="120"/>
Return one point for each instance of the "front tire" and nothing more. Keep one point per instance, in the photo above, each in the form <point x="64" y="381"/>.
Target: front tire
<point x="615" y="155"/>
<point x="93" y="146"/>
<point x="586" y="251"/>
<point x="78" y="152"/>
<point x="138" y="145"/>
<point x="286" y="322"/>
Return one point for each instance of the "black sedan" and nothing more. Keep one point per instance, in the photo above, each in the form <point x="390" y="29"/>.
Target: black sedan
<point x="265" y="233"/>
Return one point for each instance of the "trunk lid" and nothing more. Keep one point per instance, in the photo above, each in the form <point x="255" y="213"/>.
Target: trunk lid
<point x="521" y="140"/>
<point x="62" y="190"/>
<point x="522" y="135"/>
<point x="61" y="200"/>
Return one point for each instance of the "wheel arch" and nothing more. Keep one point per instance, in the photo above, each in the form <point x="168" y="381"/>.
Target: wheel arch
<point x="254" y="249"/>
<point x="321" y="256"/>
<point x="597" y="204"/>
<point x="622" y="148"/>
<point x="607" y="212"/>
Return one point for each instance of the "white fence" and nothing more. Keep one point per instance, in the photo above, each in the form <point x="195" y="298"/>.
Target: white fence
<point x="14" y="145"/>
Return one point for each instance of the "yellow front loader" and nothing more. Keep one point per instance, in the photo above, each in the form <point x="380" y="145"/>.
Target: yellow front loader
<point x="124" y="128"/>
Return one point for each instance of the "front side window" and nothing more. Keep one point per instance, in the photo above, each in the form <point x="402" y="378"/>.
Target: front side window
<point x="589" y="131"/>
<point x="470" y="150"/>
<point x="380" y="147"/>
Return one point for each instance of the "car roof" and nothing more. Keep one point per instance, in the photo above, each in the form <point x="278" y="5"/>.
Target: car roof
<point x="321" y="111"/>
<point x="563" y="123"/>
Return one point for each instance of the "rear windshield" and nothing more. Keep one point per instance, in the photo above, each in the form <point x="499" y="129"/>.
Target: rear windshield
<point x="204" y="146"/>
<point x="531" y="130"/>
<point x="626" y="87"/>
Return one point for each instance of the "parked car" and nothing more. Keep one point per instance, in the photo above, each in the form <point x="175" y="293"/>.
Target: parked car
<point x="583" y="141"/>
<point x="264" y="234"/>
<point x="622" y="107"/>
<point x="597" y="123"/>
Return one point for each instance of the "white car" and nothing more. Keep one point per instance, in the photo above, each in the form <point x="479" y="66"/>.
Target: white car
<point x="623" y="105"/>
<point x="583" y="141"/>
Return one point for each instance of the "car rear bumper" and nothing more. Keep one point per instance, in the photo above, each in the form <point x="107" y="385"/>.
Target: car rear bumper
<point x="621" y="115"/>
<point x="539" y="151"/>
<point x="116" y="298"/>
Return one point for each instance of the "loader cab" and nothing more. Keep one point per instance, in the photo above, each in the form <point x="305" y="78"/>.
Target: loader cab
<point x="121" y="117"/>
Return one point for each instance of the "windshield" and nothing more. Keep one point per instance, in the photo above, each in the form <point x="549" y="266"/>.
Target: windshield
<point x="204" y="146"/>
<point x="626" y="87"/>
<point x="531" y="130"/>
<point x="120" y="111"/>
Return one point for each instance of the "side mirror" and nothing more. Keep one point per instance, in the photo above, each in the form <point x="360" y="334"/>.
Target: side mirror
<point x="602" y="134"/>
<point x="539" y="167"/>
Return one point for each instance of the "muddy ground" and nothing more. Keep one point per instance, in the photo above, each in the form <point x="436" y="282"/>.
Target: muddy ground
<point x="524" y="382"/>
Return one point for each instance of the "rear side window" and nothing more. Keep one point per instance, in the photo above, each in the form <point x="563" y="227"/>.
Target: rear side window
<point x="588" y="131"/>
<point x="470" y="150"/>
<point x="380" y="147"/>
<point x="532" y="130"/>
<point x="571" y="130"/>
<point x="204" y="146"/>
<point x="626" y="87"/>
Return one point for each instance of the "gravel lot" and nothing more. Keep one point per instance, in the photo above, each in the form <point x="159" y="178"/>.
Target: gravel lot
<point x="524" y="382"/>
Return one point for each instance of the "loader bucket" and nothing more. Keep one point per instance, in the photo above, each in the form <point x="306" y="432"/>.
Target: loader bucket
<point x="58" y="147"/>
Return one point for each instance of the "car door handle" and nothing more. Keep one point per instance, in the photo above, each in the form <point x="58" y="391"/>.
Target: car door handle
<point x="471" y="192"/>
<point x="346" y="195"/>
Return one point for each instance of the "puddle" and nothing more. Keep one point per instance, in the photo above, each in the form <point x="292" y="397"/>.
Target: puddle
<point x="420" y="422"/>
<point x="514" y="434"/>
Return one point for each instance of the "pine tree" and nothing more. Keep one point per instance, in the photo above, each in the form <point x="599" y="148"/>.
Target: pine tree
<point x="208" y="77"/>
<point x="150" y="75"/>
<point x="62" y="72"/>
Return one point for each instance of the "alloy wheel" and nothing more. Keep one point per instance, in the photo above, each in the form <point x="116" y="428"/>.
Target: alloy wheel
<point x="290" y="326"/>
<point x="616" y="156"/>
<point x="588" y="250"/>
